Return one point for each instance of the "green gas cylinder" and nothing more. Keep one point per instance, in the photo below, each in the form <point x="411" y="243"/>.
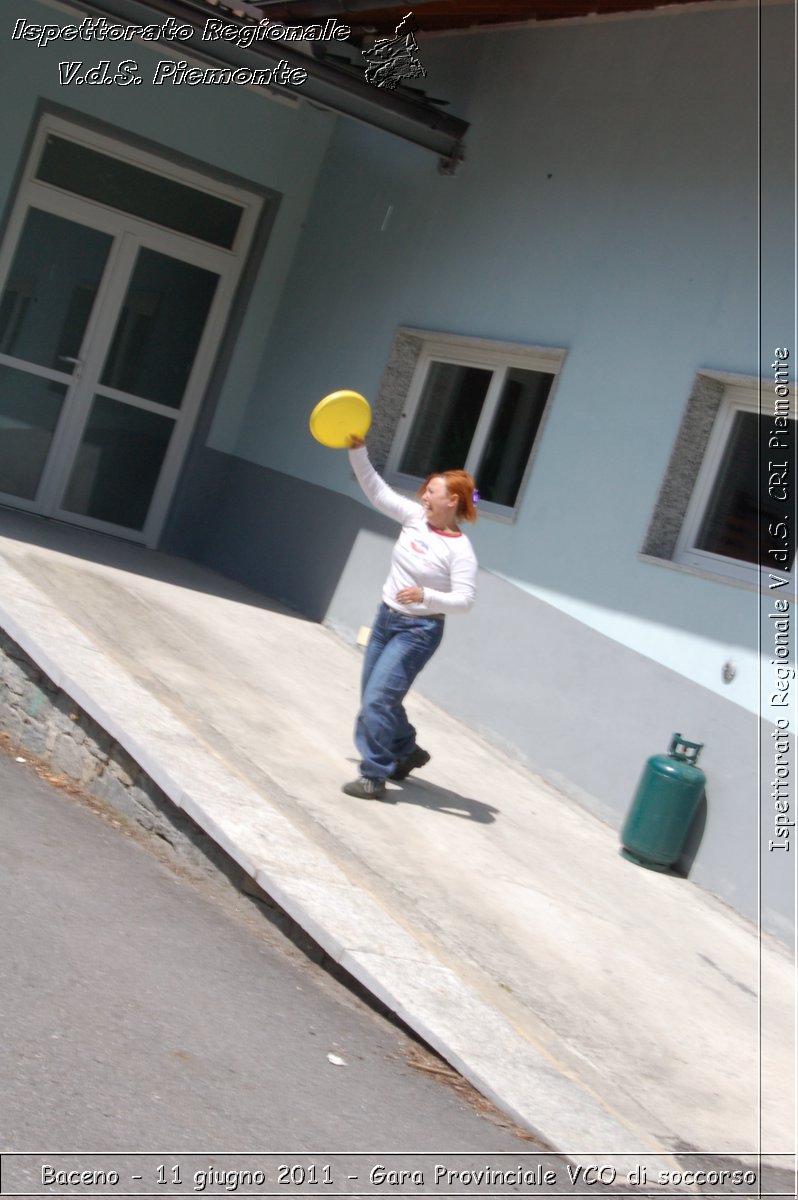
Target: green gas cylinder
<point x="656" y="827"/>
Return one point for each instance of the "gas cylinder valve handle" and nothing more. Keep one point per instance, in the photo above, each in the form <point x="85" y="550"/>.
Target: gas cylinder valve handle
<point x="680" y="748"/>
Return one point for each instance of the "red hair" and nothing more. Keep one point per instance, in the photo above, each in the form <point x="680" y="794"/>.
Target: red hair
<point x="461" y="485"/>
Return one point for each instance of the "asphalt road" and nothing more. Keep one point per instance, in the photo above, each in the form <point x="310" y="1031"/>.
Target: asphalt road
<point x="145" y="1010"/>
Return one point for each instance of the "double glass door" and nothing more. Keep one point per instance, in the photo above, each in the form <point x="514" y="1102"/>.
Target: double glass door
<point x="108" y="327"/>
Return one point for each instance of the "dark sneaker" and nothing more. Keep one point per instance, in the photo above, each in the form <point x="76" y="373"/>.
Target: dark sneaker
<point x="365" y="789"/>
<point x="416" y="758"/>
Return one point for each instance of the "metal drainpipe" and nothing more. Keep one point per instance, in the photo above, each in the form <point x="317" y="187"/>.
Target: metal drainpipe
<point x="319" y="10"/>
<point x="447" y="131"/>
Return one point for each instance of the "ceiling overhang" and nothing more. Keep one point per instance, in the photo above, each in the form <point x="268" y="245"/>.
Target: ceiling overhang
<point x="335" y="79"/>
<point x="335" y="86"/>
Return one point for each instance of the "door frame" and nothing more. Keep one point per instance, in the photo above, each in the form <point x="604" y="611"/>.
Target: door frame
<point x="130" y="234"/>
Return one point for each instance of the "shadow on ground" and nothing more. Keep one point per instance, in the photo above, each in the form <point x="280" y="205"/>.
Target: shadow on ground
<point x="106" y="550"/>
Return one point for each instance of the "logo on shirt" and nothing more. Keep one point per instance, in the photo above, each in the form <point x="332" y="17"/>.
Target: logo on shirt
<point x="420" y="547"/>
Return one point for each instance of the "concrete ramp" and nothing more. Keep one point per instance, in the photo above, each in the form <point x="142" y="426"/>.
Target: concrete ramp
<point x="615" y="1012"/>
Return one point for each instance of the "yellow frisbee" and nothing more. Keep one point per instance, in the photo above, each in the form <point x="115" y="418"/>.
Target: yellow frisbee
<point x="338" y="416"/>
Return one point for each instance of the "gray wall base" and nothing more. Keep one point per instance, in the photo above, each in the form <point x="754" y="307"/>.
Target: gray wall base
<point x="271" y="531"/>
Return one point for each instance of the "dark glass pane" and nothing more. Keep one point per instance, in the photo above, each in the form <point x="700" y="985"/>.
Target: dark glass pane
<point x="29" y="411"/>
<point x="741" y="511"/>
<point x="512" y="435"/>
<point x="159" y="328"/>
<point x="51" y="289"/>
<point x="445" y="419"/>
<point x="141" y="193"/>
<point x="118" y="463"/>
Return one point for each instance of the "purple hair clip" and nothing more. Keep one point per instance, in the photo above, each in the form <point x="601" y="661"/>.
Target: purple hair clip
<point x="475" y="497"/>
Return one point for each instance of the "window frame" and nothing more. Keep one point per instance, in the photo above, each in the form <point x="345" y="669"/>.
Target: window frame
<point x="739" y="395"/>
<point x="497" y="357"/>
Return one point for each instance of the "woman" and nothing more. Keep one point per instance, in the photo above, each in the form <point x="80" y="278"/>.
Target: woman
<point x="433" y="573"/>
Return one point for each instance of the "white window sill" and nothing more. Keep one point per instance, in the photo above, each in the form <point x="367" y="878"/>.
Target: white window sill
<point x="716" y="576"/>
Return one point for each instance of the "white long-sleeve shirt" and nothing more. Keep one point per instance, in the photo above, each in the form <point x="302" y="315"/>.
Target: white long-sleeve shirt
<point x="442" y="563"/>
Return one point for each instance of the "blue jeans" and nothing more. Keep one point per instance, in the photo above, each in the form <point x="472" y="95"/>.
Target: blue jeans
<point x="398" y="648"/>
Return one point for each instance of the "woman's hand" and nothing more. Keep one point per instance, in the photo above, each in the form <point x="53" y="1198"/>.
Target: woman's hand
<point x="411" y="595"/>
<point x="355" y="442"/>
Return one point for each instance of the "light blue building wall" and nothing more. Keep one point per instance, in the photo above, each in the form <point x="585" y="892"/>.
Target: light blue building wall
<point x="607" y="206"/>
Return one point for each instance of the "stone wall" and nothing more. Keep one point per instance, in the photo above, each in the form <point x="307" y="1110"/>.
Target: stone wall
<point x="42" y="723"/>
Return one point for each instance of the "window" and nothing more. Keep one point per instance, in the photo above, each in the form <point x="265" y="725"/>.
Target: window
<point x="473" y="405"/>
<point x="736" y="483"/>
<point x="143" y="193"/>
